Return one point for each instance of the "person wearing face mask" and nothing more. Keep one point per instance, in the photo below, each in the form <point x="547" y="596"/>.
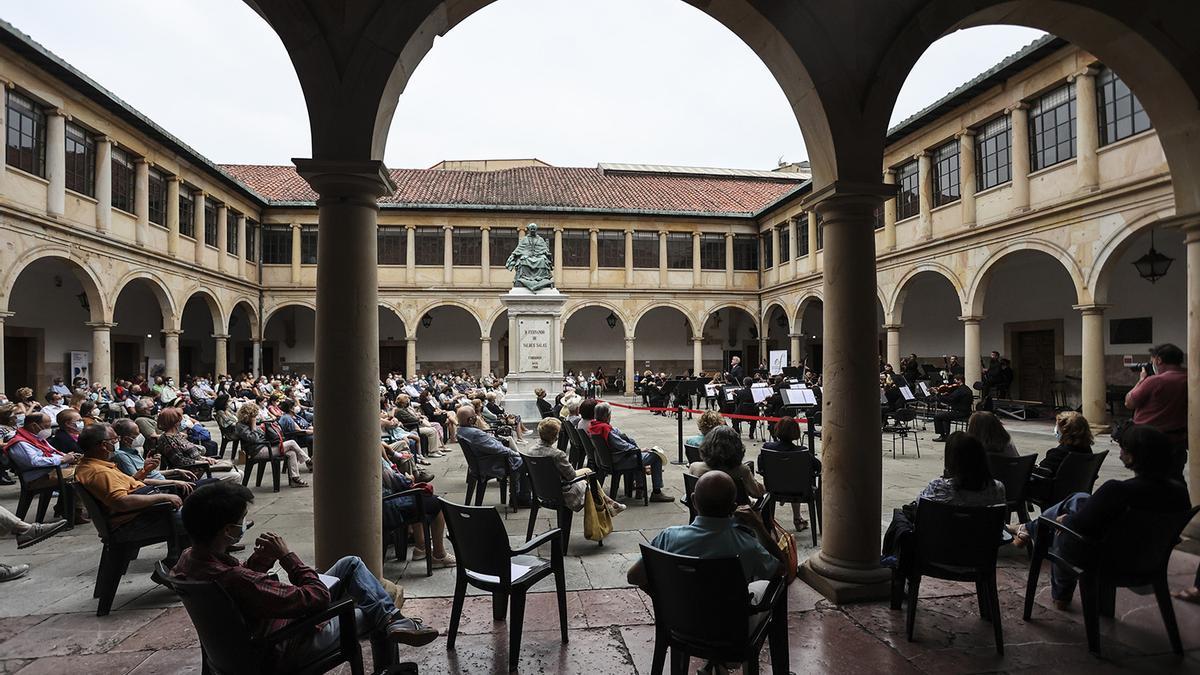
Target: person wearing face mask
<point x="59" y="388"/>
<point x="55" y="404"/>
<point x="1073" y="434"/>
<point x="128" y="458"/>
<point x="34" y="458"/>
<point x="11" y="419"/>
<point x="70" y="424"/>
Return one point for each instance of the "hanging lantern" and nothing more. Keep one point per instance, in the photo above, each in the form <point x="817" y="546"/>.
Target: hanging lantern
<point x="611" y="320"/>
<point x="427" y="320"/>
<point x="781" y="321"/>
<point x="1154" y="265"/>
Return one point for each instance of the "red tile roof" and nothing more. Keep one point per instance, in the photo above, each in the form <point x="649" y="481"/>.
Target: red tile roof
<point x="536" y="188"/>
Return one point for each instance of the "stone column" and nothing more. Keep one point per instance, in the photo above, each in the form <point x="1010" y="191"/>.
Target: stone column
<point x="925" y="192"/>
<point x="347" y="518"/>
<point x="222" y="237"/>
<point x="966" y="176"/>
<point x="1192" y="240"/>
<point x="728" y="260"/>
<point x="198" y="224"/>
<point x="559" y="357"/>
<point x="56" y="162"/>
<point x="1020" y="156"/>
<point x="697" y="355"/>
<point x="221" y="365"/>
<point x="5" y="85"/>
<point x="776" y="272"/>
<point x="141" y="200"/>
<point x="485" y="355"/>
<point x="629" y="257"/>
<point x="893" y="344"/>
<point x="629" y="368"/>
<point x="794" y="357"/>
<point x="172" y="216"/>
<point x="812" y="242"/>
<point x="410" y="254"/>
<point x="1087" y="131"/>
<point x="103" y="187"/>
<point x="793" y="248"/>
<point x="1095" y="407"/>
<point x="972" y="366"/>
<point x="696" y="278"/>
<point x="593" y="256"/>
<point x="558" y="263"/>
<point x="241" y="247"/>
<point x="410" y="356"/>
<point x="256" y="357"/>
<point x="662" y="258"/>
<point x="102" y="352"/>
<point x="847" y="566"/>
<point x="448" y="254"/>
<point x="485" y="254"/>
<point x="296" y="252"/>
<point x="3" y="316"/>
<point x="171" y="352"/>
<point x="889" y="216"/>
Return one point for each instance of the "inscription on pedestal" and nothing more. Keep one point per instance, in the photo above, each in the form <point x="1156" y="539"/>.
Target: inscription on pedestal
<point x="534" y="335"/>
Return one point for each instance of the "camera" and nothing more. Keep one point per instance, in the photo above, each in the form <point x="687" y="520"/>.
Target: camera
<point x="1138" y="367"/>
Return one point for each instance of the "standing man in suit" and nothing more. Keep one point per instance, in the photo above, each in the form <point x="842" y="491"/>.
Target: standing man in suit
<point x="736" y="372"/>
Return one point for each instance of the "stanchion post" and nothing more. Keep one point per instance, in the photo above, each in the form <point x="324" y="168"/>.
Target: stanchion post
<point x="679" y="417"/>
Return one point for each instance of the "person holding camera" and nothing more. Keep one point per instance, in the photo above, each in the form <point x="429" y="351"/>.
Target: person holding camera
<point x="1159" y="399"/>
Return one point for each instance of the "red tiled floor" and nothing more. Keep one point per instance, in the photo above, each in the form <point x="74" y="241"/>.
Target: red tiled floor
<point x="67" y="634"/>
<point x="116" y="663"/>
<point x="171" y="630"/>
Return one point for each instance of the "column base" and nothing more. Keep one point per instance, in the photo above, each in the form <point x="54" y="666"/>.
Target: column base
<point x="844" y="582"/>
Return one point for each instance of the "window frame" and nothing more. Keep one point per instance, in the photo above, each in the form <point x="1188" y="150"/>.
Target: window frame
<point x="123" y="170"/>
<point x="389" y="241"/>
<point x="156" y="199"/>
<point x="803" y="245"/>
<point x="712" y="252"/>
<point x="498" y="250"/>
<point x="679" y="250"/>
<point x="276" y="239"/>
<point x="640" y="253"/>
<point x="993" y="162"/>
<point x="211" y="224"/>
<point x="908" y="191"/>
<point x="426" y="240"/>
<point x="610" y="243"/>
<point x="576" y="248"/>
<point x="1042" y="153"/>
<point x="745" y="253"/>
<point x="947" y="173"/>
<point x="187" y="207"/>
<point x="768" y="248"/>
<point x="31" y="160"/>
<point x="1109" y="98"/>
<point x="308" y="244"/>
<point x="231" y="231"/>
<point x="467" y="247"/>
<point x="79" y="159"/>
<point x="251" y="240"/>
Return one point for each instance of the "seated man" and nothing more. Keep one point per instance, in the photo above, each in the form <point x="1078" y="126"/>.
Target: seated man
<point x="143" y="416"/>
<point x="34" y="458"/>
<point x="487" y="445"/>
<point x="412" y="421"/>
<point x="215" y="518"/>
<point x="291" y="426"/>
<point x="621" y="444"/>
<point x="130" y="462"/>
<point x="55" y="403"/>
<point x="400" y="509"/>
<point x="127" y="500"/>
<point x="960" y="400"/>
<point x="722" y="529"/>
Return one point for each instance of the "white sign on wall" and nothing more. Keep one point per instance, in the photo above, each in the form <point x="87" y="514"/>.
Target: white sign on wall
<point x="534" y="345"/>
<point x="79" y="366"/>
<point x="778" y="361"/>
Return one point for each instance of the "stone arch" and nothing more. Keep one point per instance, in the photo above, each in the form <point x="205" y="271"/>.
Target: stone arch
<point x="284" y="304"/>
<point x="762" y="320"/>
<point x="211" y="301"/>
<point x="806" y="300"/>
<point x="171" y="313"/>
<point x="584" y="304"/>
<point x="894" y="306"/>
<point x="89" y="278"/>
<point x="404" y="320"/>
<point x="631" y="326"/>
<point x="251" y="312"/>
<point x="1115" y="246"/>
<point x="446" y="303"/>
<point x="733" y="305"/>
<point x="977" y="290"/>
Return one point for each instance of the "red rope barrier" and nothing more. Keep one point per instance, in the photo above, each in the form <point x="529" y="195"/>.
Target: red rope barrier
<point x="700" y="412"/>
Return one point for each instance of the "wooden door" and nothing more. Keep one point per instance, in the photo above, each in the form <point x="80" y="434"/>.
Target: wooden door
<point x="1035" y="365"/>
<point x="391" y="359"/>
<point x="20" y="369"/>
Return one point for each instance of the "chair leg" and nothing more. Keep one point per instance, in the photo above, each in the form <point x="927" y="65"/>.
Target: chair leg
<point x="23" y="504"/>
<point x="460" y="593"/>
<point x="44" y="505"/>
<point x="275" y="475"/>
<point x="470" y="491"/>
<point x="914" y="587"/>
<point x="1106" y="601"/>
<point x="679" y="660"/>
<point x="1088" y="591"/>
<point x="660" y="651"/>
<point x="560" y="589"/>
<point x="1035" y="569"/>
<point x="480" y="489"/>
<point x="427" y="529"/>
<point x="984" y="599"/>
<point x="110" y="579"/>
<point x="613" y="481"/>
<point x="565" y="516"/>
<point x="1163" y="594"/>
<point x="514" y="629"/>
<point x="897" y="596"/>
<point x="813" y="525"/>
<point x="499" y="605"/>
<point x="994" y="596"/>
<point x="262" y="467"/>
<point x="246" y="470"/>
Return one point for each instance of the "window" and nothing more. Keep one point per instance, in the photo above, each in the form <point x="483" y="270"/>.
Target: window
<point x="712" y="252"/>
<point x="879" y="217"/>
<point x="908" y="198"/>
<point x="468" y="246"/>
<point x="1137" y="331"/>
<point x="993" y="152"/>
<point x="802" y="243"/>
<point x="645" y="250"/>
<point x="785" y="244"/>
<point x="158" y="197"/>
<point x="768" y="255"/>
<point x="186" y="211"/>
<point x="26" y="135"/>
<point x="745" y="252"/>
<point x="80" y="160"/>
<point x="122" y="180"/>
<point x="392" y="245"/>
<point x="576" y="248"/>
<point x="210" y="222"/>
<point x="610" y="248"/>
<point x="429" y="246"/>
<point x="1052" y="128"/>
<point x="308" y="244"/>
<point x="251" y="231"/>
<point x="679" y="251"/>
<point x="820" y="231"/>
<point x="1121" y="113"/>
<point x="501" y="242"/>
<point x="231" y="231"/>
<point x="277" y="244"/>
<point x="945" y="173"/>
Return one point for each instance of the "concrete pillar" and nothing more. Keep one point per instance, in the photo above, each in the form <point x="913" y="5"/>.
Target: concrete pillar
<point x="221" y="365"/>
<point x="410" y="254"/>
<point x="102" y="352"/>
<point x="925" y="192"/>
<point x="593" y="257"/>
<point x="485" y="254"/>
<point x="1092" y="387"/>
<point x="141" y="200"/>
<point x="1087" y="132"/>
<point x="558" y="264"/>
<point x="56" y="162"/>
<point x="410" y="356"/>
<point x="171" y="352"/>
<point x="485" y="355"/>
<point x="346" y="515"/>
<point x="889" y="217"/>
<point x="662" y="258"/>
<point x="222" y="237"/>
<point x="972" y="366"/>
<point x="847" y="566"/>
<point x="241" y="247"/>
<point x="256" y="357"/>
<point x="296" y="252"/>
<point x="793" y="249"/>
<point x="103" y="187"/>
<point x="696" y="278"/>
<point x="794" y="356"/>
<point x="172" y="216"/>
<point x="697" y="355"/>
<point x="776" y="276"/>
<point x="1192" y="238"/>
<point x="728" y="260"/>
<point x="893" y="344"/>
<point x="3" y="316"/>
<point x="1020" y="156"/>
<point x="628" y="258"/>
<point x="812" y="242"/>
<point x="966" y="176"/>
<point x="448" y="254"/>
<point x="198" y="224"/>
<point x="629" y="370"/>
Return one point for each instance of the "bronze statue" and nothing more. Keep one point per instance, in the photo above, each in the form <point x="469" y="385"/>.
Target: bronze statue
<point x="531" y="262"/>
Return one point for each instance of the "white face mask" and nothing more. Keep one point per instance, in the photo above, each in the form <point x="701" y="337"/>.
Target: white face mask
<point x="20" y="421"/>
<point x="241" y="534"/>
<point x="138" y="442"/>
<point x="44" y="434"/>
<point x="77" y="425"/>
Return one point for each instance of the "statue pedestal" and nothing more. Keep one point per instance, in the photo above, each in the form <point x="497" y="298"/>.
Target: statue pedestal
<point x="533" y="349"/>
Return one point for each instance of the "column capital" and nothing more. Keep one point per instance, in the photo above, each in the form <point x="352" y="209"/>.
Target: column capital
<point x="142" y="160"/>
<point x="171" y="332"/>
<point x="174" y="179"/>
<point x="628" y="229"/>
<point x="973" y="318"/>
<point x="924" y="154"/>
<point x="294" y="225"/>
<point x="199" y="193"/>
<point x="56" y="112"/>
<point x="410" y="338"/>
<point x="256" y="340"/>
<point x="892" y="326"/>
<point x="696" y="234"/>
<point x="845" y="191"/>
<point x="5" y="315"/>
<point x="485" y="338"/>
<point x="1089" y="71"/>
<point x="410" y="227"/>
<point x="1020" y="105"/>
<point x="730" y="235"/>
<point x="698" y="339"/>
<point x="360" y="180"/>
<point x="449" y="228"/>
<point x="220" y="336"/>
<point x="965" y="133"/>
<point x="795" y="335"/>
<point x="1091" y="308"/>
<point x="485" y="227"/>
<point x="663" y="233"/>
<point x="100" y="325"/>
<point x="558" y="229"/>
<point x="101" y="138"/>
<point x="594" y="230"/>
<point x="628" y="340"/>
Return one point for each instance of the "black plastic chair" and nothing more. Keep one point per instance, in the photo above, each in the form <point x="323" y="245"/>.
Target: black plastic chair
<point x="228" y="438"/>
<point x="273" y="458"/>
<point x="691" y="452"/>
<point x="1014" y="472"/>
<point x="689" y="487"/>
<point x="628" y="464"/>
<point x="1133" y="552"/>
<point x="486" y="562"/>
<point x="547" y="486"/>
<point x="955" y="543"/>
<point x="484" y="468"/>
<point x="228" y="646"/>
<point x="118" y="550"/>
<point x="720" y="624"/>
<point x="1077" y="473"/>
<point x="791" y="478"/>
<point x="397" y="534"/>
<point x="589" y="451"/>
<point x="902" y="428"/>
<point x="44" y="494"/>
<point x="577" y="450"/>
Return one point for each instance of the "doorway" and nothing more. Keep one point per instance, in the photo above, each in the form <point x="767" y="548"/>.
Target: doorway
<point x="1034" y="366"/>
<point x="20" y="363"/>
<point x="127" y="359"/>
<point x="391" y="359"/>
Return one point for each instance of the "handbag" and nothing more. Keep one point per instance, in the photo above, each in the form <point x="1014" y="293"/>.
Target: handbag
<point x="787" y="543"/>
<point x="597" y="523"/>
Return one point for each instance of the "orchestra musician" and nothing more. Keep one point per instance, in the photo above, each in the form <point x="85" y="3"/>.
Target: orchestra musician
<point x="736" y="372"/>
<point x="890" y="399"/>
<point x="951" y="365"/>
<point x="911" y="368"/>
<point x="957" y="395"/>
<point x="744" y="405"/>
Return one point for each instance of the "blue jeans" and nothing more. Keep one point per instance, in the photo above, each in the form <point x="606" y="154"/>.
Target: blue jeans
<point x="359" y="583"/>
<point x="1062" y="579"/>
<point x="652" y="460"/>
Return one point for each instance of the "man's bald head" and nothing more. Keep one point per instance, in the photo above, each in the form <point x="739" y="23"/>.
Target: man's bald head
<point x="715" y="495"/>
<point x="465" y="415"/>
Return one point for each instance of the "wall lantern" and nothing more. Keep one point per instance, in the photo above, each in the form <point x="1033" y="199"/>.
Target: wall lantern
<point x="427" y="320"/>
<point x="87" y="306"/>
<point x="611" y="320"/>
<point x="1154" y="265"/>
<point x="781" y="321"/>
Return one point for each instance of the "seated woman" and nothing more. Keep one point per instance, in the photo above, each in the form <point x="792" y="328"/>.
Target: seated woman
<point x="1154" y="487"/>
<point x="223" y="416"/>
<point x="492" y="406"/>
<point x="431" y="411"/>
<point x="1074" y="435"/>
<point x="722" y="450"/>
<point x="259" y="443"/>
<point x="573" y="494"/>
<point x="710" y="420"/>
<point x="789" y="438"/>
<point x="543" y="406"/>
<point x="966" y="482"/>
<point x="396" y="511"/>
<point x="989" y="431"/>
<point x="178" y="452"/>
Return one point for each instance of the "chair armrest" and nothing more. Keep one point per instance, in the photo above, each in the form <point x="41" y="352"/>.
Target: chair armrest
<point x="771" y="596"/>
<point x="576" y="479"/>
<point x="307" y="623"/>
<point x="761" y="503"/>
<point x="547" y="536"/>
<point x="201" y="468"/>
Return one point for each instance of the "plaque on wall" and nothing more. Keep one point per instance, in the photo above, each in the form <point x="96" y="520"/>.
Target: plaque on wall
<point x="534" y="346"/>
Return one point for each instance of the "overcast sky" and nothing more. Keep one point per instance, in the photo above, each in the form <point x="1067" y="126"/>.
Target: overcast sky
<point x="573" y="83"/>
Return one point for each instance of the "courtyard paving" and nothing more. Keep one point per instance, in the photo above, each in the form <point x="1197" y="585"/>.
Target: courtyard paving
<point x="48" y="622"/>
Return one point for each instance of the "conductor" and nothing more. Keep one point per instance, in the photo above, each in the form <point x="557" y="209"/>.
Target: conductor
<point x="736" y="372"/>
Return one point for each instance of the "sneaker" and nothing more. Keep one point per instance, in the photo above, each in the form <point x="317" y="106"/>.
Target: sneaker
<point x="660" y="497"/>
<point x="939" y="439"/>
<point x="10" y="572"/>
<point x="411" y="632"/>
<point x="436" y="455"/>
<point x="39" y="532"/>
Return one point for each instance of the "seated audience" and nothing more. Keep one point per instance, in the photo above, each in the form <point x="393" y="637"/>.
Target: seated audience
<point x="723" y="450"/>
<point x="989" y="431"/>
<point x="573" y="494"/>
<point x="435" y="414"/>
<point x="789" y="438"/>
<point x="1074" y="434"/>
<point x="34" y="459"/>
<point x="485" y="444"/>
<point x="224" y="417"/>
<point x="69" y="425"/>
<point x="543" y="406"/>
<point x="261" y="442"/>
<point x="180" y="453"/>
<point x="710" y="420"/>
<point x="400" y="509"/>
<point x="620" y="444"/>
<point x="294" y="428"/>
<point x="411" y="420"/>
<point x="129" y="460"/>
<point x="55" y="403"/>
<point x="24" y="401"/>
